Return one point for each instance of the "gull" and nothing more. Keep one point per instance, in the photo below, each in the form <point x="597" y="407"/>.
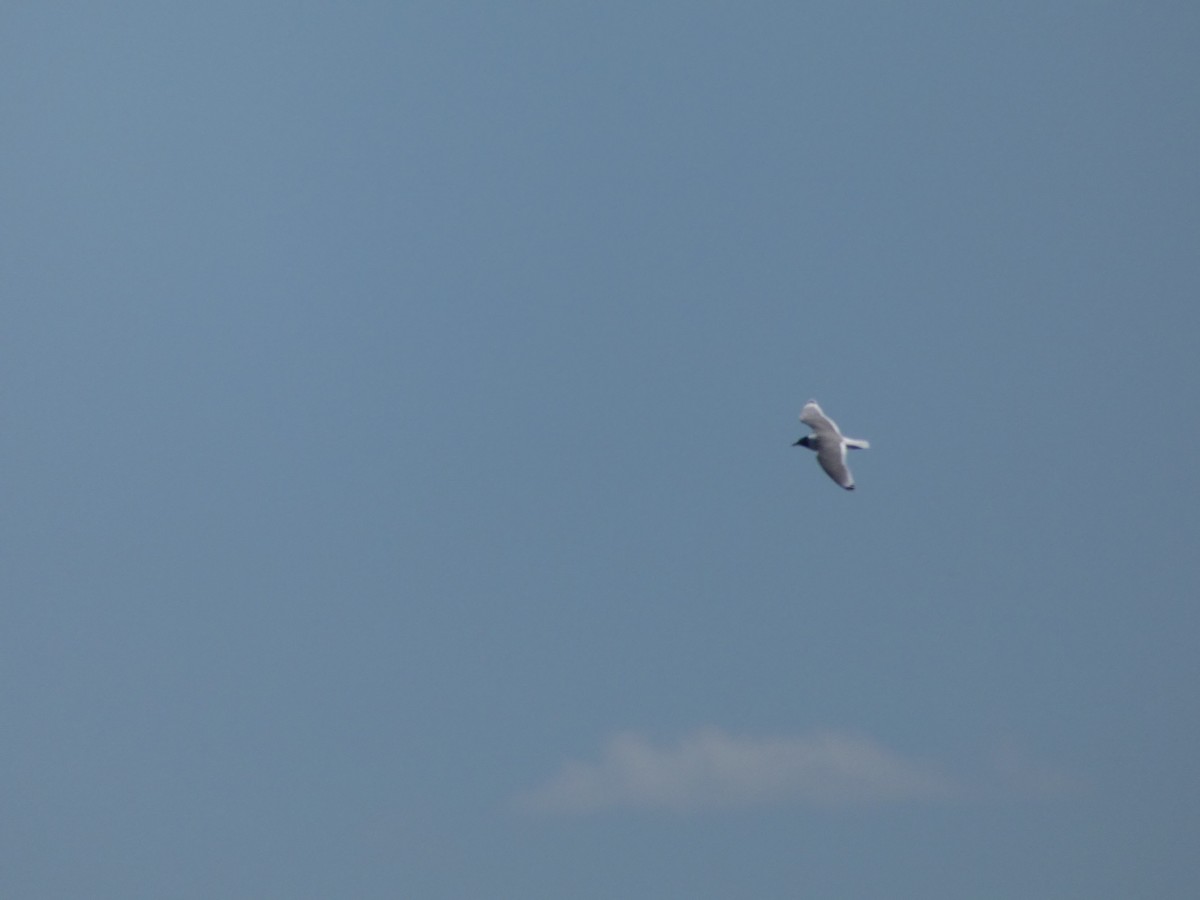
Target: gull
<point x="829" y="443"/>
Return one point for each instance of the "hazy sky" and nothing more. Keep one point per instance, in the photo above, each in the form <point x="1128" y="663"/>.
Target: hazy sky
<point x="397" y="402"/>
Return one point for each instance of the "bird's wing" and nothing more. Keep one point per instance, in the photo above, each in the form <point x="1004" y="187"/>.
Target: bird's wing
<point x="813" y="416"/>
<point x="832" y="457"/>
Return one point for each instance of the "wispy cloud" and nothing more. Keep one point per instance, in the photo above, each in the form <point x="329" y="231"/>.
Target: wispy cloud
<point x="712" y="769"/>
<point x="1013" y="772"/>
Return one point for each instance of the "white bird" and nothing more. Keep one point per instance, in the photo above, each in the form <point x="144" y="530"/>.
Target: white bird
<point x="829" y="443"/>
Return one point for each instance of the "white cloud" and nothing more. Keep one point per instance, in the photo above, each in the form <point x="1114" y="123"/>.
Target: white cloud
<point x="711" y="769"/>
<point x="1014" y="773"/>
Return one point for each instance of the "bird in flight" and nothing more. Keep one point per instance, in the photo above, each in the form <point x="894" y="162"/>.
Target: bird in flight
<point x="829" y="443"/>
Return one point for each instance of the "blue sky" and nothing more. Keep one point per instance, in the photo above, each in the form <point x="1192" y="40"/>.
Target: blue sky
<point x="397" y="402"/>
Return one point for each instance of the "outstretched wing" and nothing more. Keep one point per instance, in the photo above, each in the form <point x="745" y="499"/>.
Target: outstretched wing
<point x="832" y="457"/>
<point x="814" y="417"/>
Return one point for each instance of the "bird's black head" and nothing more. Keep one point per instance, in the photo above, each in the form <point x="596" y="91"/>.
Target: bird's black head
<point x="803" y="442"/>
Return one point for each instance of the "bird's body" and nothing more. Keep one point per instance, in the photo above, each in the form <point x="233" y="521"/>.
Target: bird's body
<point x="829" y="443"/>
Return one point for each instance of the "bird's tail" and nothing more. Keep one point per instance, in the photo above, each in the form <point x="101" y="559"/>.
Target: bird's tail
<point x="856" y="444"/>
